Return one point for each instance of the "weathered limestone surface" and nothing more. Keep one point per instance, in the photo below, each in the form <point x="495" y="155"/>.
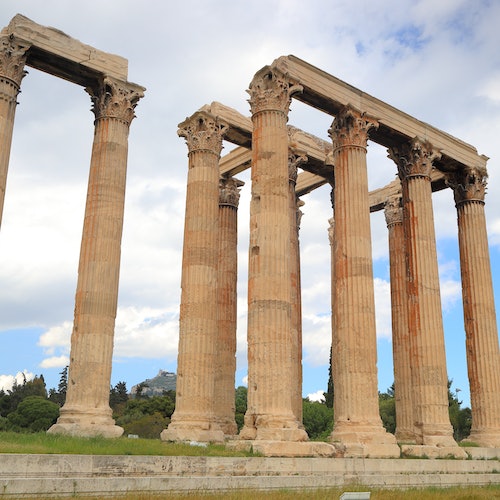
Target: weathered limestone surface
<point x="227" y="266"/>
<point x="269" y="413"/>
<point x="70" y="475"/>
<point x="56" y="53"/>
<point x="194" y="415"/>
<point x="358" y="428"/>
<point x="428" y="369"/>
<point x="483" y="356"/>
<point x="400" y="332"/>
<point x="294" y="160"/>
<point x="87" y="411"/>
<point x="12" y="62"/>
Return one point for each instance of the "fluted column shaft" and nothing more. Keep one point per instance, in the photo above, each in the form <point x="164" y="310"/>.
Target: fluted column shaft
<point x="270" y="386"/>
<point x="399" y="309"/>
<point x="12" y="61"/>
<point x="194" y="416"/>
<point x="354" y="350"/>
<point x="87" y="411"/>
<point x="428" y="360"/>
<point x="294" y="160"/>
<point x="226" y="304"/>
<point x="483" y="357"/>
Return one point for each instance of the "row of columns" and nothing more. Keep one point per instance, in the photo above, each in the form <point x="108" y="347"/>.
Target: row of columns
<point x="421" y="398"/>
<point x="87" y="410"/>
<point x="274" y="322"/>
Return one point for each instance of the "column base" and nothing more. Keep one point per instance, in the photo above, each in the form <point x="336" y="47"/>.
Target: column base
<point x="356" y="441"/>
<point x="272" y="428"/>
<point x="203" y="432"/>
<point x="405" y="437"/>
<point x="487" y="438"/>
<point x="429" y="451"/>
<point x="284" y="448"/>
<point x="77" y="422"/>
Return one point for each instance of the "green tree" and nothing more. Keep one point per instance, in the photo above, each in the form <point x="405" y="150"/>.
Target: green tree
<point x="118" y="395"/>
<point x="59" y="396"/>
<point x="240" y="399"/>
<point x="329" y="391"/>
<point x="387" y="409"/>
<point x="19" y="392"/>
<point x="33" y="414"/>
<point x="317" y="419"/>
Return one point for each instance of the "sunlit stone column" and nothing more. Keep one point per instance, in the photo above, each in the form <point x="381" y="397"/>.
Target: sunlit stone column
<point x="194" y="415"/>
<point x="358" y="429"/>
<point x="226" y="304"/>
<point x="399" y="309"/>
<point x="294" y="160"/>
<point x="270" y="414"/>
<point x="12" y="61"/>
<point x="428" y="360"/>
<point x="86" y="411"/>
<point x="483" y="357"/>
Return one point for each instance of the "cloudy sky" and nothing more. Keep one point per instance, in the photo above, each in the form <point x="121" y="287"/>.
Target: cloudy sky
<point x="438" y="61"/>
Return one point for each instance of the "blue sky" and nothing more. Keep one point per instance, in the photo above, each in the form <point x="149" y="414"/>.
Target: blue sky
<point x="438" y="61"/>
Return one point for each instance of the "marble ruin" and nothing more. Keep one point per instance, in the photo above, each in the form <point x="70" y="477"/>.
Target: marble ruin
<point x="104" y="76"/>
<point x="426" y="160"/>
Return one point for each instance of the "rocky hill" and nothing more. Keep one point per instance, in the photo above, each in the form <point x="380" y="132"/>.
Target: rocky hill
<point x="164" y="381"/>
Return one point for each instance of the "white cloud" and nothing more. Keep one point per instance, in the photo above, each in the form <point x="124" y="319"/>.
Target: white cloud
<point x="7" y="381"/>
<point x="55" y="362"/>
<point x="317" y="396"/>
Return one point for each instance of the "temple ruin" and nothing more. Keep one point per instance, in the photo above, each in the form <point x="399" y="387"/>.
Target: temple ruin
<point x="104" y="76"/>
<point x="426" y="160"/>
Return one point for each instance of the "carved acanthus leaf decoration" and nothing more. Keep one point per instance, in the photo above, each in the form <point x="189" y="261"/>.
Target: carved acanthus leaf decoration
<point x="203" y="131"/>
<point x="115" y="99"/>
<point x="13" y="58"/>
<point x="393" y="211"/>
<point x="229" y="191"/>
<point x="414" y="158"/>
<point x="295" y="159"/>
<point x="350" y="128"/>
<point x="271" y="90"/>
<point x="468" y="184"/>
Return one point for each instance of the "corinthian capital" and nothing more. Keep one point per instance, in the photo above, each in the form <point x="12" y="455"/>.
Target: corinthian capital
<point x="414" y="158"/>
<point x="393" y="211"/>
<point x="295" y="159"/>
<point x="203" y="131"/>
<point x="468" y="184"/>
<point x="115" y="99"/>
<point x="12" y="58"/>
<point x="271" y="90"/>
<point x="229" y="191"/>
<point x="351" y="127"/>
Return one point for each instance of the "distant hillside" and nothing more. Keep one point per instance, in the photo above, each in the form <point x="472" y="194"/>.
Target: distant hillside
<point x="164" y="381"/>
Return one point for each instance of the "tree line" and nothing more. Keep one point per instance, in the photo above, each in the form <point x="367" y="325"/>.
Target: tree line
<point x="29" y="407"/>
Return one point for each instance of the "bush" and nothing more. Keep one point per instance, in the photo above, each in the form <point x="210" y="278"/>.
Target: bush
<point x="33" y="414"/>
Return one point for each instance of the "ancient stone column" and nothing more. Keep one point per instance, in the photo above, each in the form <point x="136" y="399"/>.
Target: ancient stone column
<point x="358" y="429"/>
<point x="399" y="308"/>
<point x="194" y="415"/>
<point x="86" y="411"/>
<point x="294" y="160"/>
<point x="12" y="61"/>
<point x="483" y="357"/>
<point x="270" y="414"/>
<point x="226" y="304"/>
<point x="428" y="360"/>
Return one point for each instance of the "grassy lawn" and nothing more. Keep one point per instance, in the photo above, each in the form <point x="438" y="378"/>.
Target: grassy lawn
<point x="12" y="442"/>
<point x="477" y="493"/>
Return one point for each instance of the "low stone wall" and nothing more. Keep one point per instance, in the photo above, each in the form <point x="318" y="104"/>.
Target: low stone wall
<point x="105" y="475"/>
